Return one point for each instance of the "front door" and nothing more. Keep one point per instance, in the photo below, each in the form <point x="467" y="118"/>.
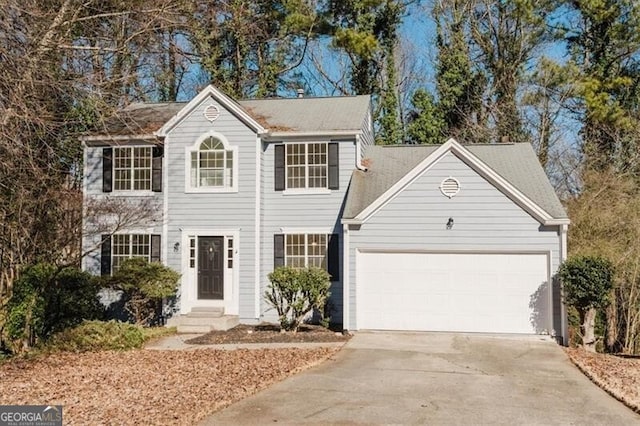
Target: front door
<point x="211" y="268"/>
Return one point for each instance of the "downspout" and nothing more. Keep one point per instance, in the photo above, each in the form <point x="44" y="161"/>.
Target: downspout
<point x="257" y="232"/>
<point x="345" y="278"/>
<point x="563" y="309"/>
<point x="359" y="165"/>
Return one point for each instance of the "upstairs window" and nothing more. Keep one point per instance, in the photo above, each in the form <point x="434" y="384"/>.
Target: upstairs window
<point x="132" y="168"/>
<point x="306" y="166"/>
<point x="212" y="165"/>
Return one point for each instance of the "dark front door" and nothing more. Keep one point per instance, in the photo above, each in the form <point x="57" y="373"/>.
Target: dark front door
<point x="211" y="268"/>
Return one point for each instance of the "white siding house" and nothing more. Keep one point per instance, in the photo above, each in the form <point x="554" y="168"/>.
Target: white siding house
<point x="449" y="237"/>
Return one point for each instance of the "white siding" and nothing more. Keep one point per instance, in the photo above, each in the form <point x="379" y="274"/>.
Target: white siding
<point x="93" y="191"/>
<point x="485" y="220"/>
<point x="214" y="210"/>
<point x="303" y="211"/>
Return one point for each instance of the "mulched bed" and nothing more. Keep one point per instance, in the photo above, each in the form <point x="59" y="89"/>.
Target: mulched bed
<point x="269" y="333"/>
<point x="148" y="387"/>
<point x="619" y="376"/>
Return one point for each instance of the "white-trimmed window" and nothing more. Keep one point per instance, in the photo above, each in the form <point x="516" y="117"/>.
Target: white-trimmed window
<point x="126" y="246"/>
<point x="306" y="250"/>
<point x="132" y="167"/>
<point x="212" y="165"/>
<point x="306" y="165"/>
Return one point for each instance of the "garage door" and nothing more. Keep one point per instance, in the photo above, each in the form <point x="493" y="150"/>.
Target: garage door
<point x="498" y="293"/>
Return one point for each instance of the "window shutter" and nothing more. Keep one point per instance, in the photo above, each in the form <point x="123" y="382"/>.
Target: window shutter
<point x="333" y="257"/>
<point x="107" y="169"/>
<point x="279" y="167"/>
<point x="278" y="250"/>
<point x="334" y="174"/>
<point x="155" y="248"/>
<point x="156" y="169"/>
<point x="105" y="255"/>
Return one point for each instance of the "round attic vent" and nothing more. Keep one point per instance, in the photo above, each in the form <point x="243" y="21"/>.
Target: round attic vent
<point x="450" y="186"/>
<point x="211" y="113"/>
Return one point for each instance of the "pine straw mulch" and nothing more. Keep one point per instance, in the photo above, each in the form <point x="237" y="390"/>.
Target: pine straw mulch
<point x="619" y="376"/>
<point x="269" y="333"/>
<point x="144" y="387"/>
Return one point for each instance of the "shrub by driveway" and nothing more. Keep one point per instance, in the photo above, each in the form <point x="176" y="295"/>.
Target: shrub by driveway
<point x="146" y="386"/>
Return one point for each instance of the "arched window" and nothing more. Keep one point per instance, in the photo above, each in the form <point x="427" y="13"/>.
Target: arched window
<point x="212" y="164"/>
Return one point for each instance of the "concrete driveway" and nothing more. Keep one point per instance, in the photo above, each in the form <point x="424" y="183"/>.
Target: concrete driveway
<point x="435" y="378"/>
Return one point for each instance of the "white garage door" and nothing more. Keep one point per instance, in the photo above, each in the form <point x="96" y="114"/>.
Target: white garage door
<point x="498" y="293"/>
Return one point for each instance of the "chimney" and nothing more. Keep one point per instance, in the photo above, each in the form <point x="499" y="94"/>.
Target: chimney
<point x="300" y="93"/>
<point x="505" y="139"/>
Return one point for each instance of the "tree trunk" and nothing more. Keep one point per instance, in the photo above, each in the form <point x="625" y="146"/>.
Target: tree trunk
<point x="588" y="329"/>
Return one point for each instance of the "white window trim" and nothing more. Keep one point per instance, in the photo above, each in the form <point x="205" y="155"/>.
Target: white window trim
<point x="188" y="188"/>
<point x="306" y="243"/>
<point x="129" y="256"/>
<point x="306" y="189"/>
<point x="131" y="192"/>
<point x="309" y="191"/>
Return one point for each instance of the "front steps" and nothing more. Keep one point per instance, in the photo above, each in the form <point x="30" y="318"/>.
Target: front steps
<point x="203" y="320"/>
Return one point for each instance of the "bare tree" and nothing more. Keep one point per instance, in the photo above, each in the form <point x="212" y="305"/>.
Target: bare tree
<point x="64" y="66"/>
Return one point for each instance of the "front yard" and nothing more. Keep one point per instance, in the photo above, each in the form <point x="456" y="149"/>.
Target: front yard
<point x="147" y="386"/>
<point x="616" y="375"/>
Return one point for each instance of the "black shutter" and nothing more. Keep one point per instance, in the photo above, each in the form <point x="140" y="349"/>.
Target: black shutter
<point x="105" y="255"/>
<point x="279" y="176"/>
<point x="107" y="169"/>
<point x="278" y="250"/>
<point x="333" y="257"/>
<point x="156" y="169"/>
<point x="334" y="174"/>
<point x="155" y="248"/>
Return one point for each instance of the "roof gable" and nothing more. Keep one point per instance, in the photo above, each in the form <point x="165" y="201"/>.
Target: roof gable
<point x="225" y="101"/>
<point x="514" y="171"/>
<point x="274" y="118"/>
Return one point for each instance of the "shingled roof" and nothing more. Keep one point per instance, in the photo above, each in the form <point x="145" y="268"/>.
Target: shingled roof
<point x="306" y="114"/>
<point x="516" y="163"/>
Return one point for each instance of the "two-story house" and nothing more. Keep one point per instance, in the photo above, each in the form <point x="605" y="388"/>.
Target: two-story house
<point x="441" y="237"/>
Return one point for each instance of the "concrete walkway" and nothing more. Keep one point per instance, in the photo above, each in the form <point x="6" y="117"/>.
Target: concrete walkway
<point x="436" y="379"/>
<point x="177" y="342"/>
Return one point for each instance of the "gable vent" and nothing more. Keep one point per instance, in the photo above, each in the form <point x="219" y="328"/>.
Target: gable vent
<point x="211" y="113"/>
<point x="450" y="186"/>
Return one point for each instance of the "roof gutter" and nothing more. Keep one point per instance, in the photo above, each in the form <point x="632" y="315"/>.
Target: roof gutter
<point x="557" y="222"/>
<point x="120" y="138"/>
<point x="351" y="221"/>
<point x="550" y="222"/>
<point x="293" y="134"/>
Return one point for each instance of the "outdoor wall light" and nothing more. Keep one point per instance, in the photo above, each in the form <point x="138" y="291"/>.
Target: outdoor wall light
<point x="450" y="223"/>
<point x="176" y="247"/>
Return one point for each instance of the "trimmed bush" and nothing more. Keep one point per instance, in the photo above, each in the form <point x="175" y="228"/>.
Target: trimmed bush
<point x="144" y="285"/>
<point x="587" y="283"/>
<point x="295" y="292"/>
<point x="45" y="300"/>
<point x="98" y="336"/>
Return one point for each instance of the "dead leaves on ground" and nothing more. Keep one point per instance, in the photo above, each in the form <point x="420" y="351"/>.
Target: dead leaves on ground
<point x="146" y="386"/>
<point x="268" y="333"/>
<point x="617" y="375"/>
